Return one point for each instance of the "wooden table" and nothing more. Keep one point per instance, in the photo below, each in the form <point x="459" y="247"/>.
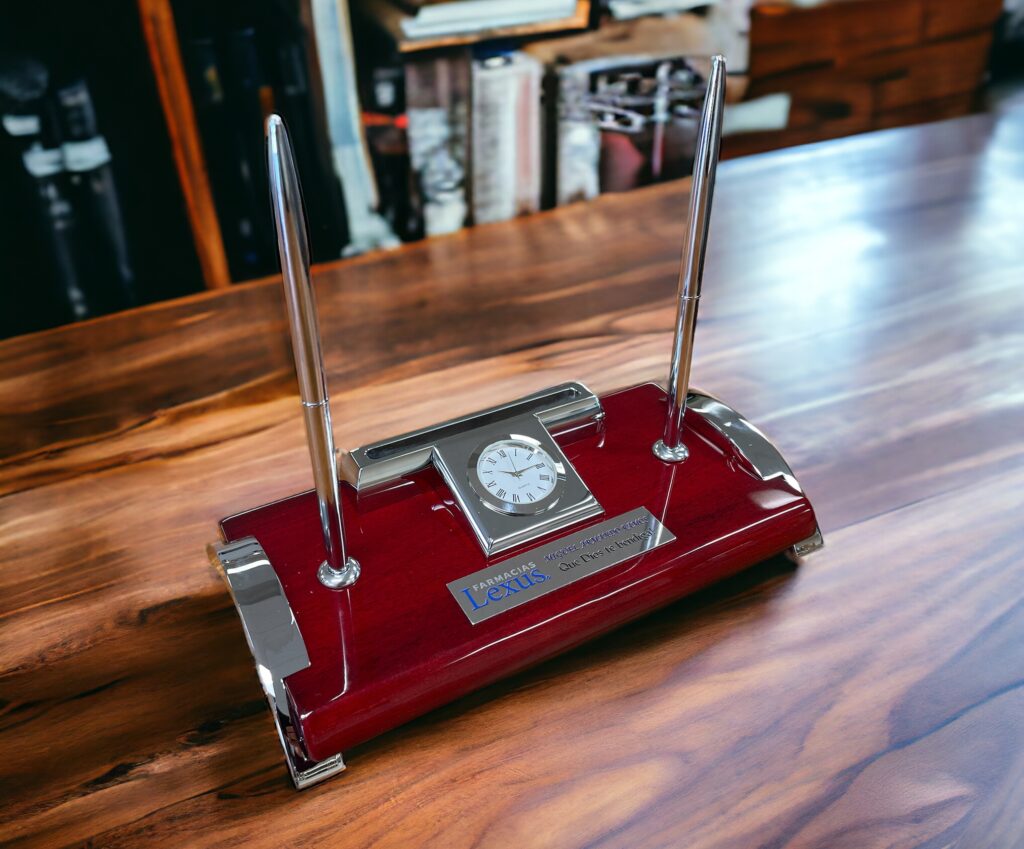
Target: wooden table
<point x="864" y="304"/>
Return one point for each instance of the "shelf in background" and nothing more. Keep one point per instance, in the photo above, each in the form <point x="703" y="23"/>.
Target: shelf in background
<point x="391" y="17"/>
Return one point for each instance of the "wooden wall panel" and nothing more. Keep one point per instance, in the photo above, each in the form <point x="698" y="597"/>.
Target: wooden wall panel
<point x="943" y="18"/>
<point x="785" y="36"/>
<point x="930" y="110"/>
<point x="929" y="72"/>
<point x="853" y="65"/>
<point x="821" y="107"/>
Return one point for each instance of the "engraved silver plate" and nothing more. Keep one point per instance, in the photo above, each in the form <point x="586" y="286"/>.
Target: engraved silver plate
<point x="517" y="580"/>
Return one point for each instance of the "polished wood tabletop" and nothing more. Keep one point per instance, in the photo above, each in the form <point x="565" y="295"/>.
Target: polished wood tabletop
<point x="863" y="304"/>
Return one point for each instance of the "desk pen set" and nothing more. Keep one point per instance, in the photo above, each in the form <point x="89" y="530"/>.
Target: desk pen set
<point x="450" y="557"/>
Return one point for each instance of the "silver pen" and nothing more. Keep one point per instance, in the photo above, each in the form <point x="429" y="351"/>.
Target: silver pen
<point x="670" y="447"/>
<point x="338" y="570"/>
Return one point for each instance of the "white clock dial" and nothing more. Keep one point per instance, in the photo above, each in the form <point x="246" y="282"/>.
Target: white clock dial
<point x="517" y="473"/>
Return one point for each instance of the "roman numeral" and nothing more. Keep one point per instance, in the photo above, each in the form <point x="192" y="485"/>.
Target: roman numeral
<point x="491" y="460"/>
<point x="515" y="497"/>
<point x="501" y="451"/>
<point x="492" y="483"/>
<point x="501" y="493"/>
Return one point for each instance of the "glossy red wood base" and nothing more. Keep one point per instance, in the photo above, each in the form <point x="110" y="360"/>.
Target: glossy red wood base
<point x="396" y="644"/>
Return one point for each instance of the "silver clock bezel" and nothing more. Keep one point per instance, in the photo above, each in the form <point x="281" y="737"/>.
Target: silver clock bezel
<point x="510" y="508"/>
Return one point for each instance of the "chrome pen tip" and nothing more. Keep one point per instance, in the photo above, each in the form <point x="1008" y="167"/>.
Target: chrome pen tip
<point x="716" y="79"/>
<point x="286" y="201"/>
<point x="280" y="160"/>
<point x="276" y="135"/>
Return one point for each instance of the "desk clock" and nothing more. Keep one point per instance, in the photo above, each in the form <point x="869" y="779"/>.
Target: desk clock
<point x="427" y="565"/>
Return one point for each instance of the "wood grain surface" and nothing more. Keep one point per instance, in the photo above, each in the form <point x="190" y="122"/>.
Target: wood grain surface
<point x="863" y="304"/>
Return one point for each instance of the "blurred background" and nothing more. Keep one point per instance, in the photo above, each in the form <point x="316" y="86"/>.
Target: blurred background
<point x="131" y="141"/>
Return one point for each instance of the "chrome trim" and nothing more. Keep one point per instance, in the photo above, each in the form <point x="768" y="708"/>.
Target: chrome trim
<point x="338" y="570"/>
<point x="691" y="270"/>
<point x="384" y="461"/>
<point x="808" y="546"/>
<point x="755" y="448"/>
<point x="749" y="442"/>
<point x="276" y="644"/>
<point x="315" y="772"/>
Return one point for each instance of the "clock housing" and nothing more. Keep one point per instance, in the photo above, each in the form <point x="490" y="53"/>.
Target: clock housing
<point x="455" y="447"/>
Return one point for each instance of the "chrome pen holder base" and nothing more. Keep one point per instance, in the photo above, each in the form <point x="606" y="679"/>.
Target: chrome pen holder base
<point x="339" y="579"/>
<point x="670" y="455"/>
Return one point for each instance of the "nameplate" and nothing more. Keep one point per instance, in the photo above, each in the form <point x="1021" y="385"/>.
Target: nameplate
<point x="517" y="580"/>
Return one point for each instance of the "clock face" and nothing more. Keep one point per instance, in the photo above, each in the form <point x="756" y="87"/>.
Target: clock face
<point x="517" y="476"/>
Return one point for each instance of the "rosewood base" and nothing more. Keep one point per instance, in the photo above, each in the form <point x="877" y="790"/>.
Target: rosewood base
<point x="342" y="667"/>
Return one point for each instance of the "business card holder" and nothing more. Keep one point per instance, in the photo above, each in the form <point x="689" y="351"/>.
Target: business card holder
<point x="436" y="562"/>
